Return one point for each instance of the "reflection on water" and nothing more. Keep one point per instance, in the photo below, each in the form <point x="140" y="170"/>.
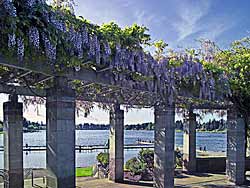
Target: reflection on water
<point x="37" y="159"/>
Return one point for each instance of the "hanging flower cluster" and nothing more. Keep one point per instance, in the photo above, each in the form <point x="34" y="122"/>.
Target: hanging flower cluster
<point x="9" y="7"/>
<point x="11" y="40"/>
<point x="20" y="49"/>
<point x="34" y="37"/>
<point x="50" y="49"/>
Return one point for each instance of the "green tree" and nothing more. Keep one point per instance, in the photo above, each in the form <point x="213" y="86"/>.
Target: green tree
<point x="160" y="47"/>
<point x="235" y="62"/>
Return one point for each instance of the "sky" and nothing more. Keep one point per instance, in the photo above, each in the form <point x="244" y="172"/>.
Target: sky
<point x="178" y="22"/>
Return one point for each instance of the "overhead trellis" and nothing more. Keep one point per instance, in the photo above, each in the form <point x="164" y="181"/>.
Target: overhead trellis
<point x="33" y="32"/>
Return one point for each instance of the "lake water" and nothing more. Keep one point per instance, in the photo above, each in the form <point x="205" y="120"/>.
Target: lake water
<point x="213" y="141"/>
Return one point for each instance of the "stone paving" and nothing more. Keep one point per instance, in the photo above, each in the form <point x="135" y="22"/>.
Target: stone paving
<point x="181" y="181"/>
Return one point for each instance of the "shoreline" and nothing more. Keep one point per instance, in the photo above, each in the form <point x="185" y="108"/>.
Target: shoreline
<point x="177" y="131"/>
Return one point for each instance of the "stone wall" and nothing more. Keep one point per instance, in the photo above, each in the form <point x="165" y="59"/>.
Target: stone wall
<point x="215" y="164"/>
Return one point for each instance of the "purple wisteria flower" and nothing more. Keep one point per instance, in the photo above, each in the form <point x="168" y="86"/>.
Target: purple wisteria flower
<point x="50" y="49"/>
<point x="58" y="24"/>
<point x="11" y="40"/>
<point x="97" y="50"/>
<point x="131" y="58"/>
<point x="20" y="49"/>
<point x="10" y="8"/>
<point x="31" y="3"/>
<point x="85" y="37"/>
<point x="91" y="51"/>
<point x="78" y="44"/>
<point x="107" y="49"/>
<point x="117" y="55"/>
<point x="106" y="52"/>
<point x="34" y="39"/>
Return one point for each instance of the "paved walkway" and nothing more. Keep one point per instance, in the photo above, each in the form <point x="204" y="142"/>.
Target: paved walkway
<point x="181" y="181"/>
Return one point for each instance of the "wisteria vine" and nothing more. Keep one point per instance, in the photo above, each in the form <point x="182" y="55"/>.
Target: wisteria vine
<point x="132" y="68"/>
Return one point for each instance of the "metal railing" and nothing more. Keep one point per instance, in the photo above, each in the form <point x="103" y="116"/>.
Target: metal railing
<point x="82" y="148"/>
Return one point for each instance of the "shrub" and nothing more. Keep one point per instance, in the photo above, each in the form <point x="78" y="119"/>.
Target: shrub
<point x="146" y="157"/>
<point x="143" y="164"/>
<point x="103" y="159"/>
<point x="134" y="166"/>
<point x="178" y="158"/>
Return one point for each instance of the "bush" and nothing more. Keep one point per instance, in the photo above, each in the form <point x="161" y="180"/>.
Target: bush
<point x="103" y="159"/>
<point x="146" y="157"/>
<point x="134" y="166"/>
<point x="143" y="164"/>
<point x="178" y="158"/>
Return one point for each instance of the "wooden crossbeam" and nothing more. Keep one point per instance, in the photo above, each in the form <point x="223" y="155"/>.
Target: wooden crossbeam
<point x="38" y="67"/>
<point x="212" y="106"/>
<point x="86" y="75"/>
<point x="17" y="76"/>
<point x="21" y="90"/>
<point x="23" y="75"/>
<point x="42" y="79"/>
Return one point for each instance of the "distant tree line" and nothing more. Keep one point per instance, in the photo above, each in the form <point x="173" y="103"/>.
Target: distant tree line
<point x="211" y="125"/>
<point x="28" y="126"/>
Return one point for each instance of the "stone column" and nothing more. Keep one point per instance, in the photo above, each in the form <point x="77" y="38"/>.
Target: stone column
<point x="164" y="146"/>
<point x="13" y="141"/>
<point x="60" y="119"/>
<point x="116" y="144"/>
<point x="189" y="143"/>
<point x="235" y="148"/>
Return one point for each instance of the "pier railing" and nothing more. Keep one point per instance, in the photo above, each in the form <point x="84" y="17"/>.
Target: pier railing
<point x="87" y="147"/>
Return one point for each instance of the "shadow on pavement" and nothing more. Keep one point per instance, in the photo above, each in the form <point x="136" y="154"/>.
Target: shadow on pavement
<point x="143" y="184"/>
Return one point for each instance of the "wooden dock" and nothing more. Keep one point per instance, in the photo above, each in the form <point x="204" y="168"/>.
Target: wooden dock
<point x="83" y="148"/>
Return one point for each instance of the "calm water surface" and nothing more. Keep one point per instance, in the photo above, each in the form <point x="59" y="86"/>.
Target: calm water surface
<point x="213" y="142"/>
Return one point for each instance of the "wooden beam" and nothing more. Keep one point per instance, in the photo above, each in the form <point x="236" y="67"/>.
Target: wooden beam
<point x="17" y="76"/>
<point x="23" y="75"/>
<point x="211" y="106"/>
<point x="86" y="75"/>
<point x="37" y="67"/>
<point x="42" y="79"/>
<point x="20" y="90"/>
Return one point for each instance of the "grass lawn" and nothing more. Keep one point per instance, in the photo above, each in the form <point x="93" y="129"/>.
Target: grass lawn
<point x="84" y="172"/>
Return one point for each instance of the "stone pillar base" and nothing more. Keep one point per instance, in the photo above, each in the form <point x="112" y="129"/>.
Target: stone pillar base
<point x="60" y="155"/>
<point x="164" y="147"/>
<point x="189" y="144"/>
<point x="236" y="148"/>
<point x="116" y="151"/>
<point x="13" y="142"/>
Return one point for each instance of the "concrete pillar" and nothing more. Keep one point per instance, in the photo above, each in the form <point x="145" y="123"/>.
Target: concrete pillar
<point x="164" y="146"/>
<point x="235" y="148"/>
<point x="116" y="144"/>
<point x="189" y="143"/>
<point x="13" y="141"/>
<point x="60" y="119"/>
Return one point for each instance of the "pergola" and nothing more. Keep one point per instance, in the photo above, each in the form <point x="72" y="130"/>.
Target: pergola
<point x="60" y="106"/>
<point x="100" y="83"/>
